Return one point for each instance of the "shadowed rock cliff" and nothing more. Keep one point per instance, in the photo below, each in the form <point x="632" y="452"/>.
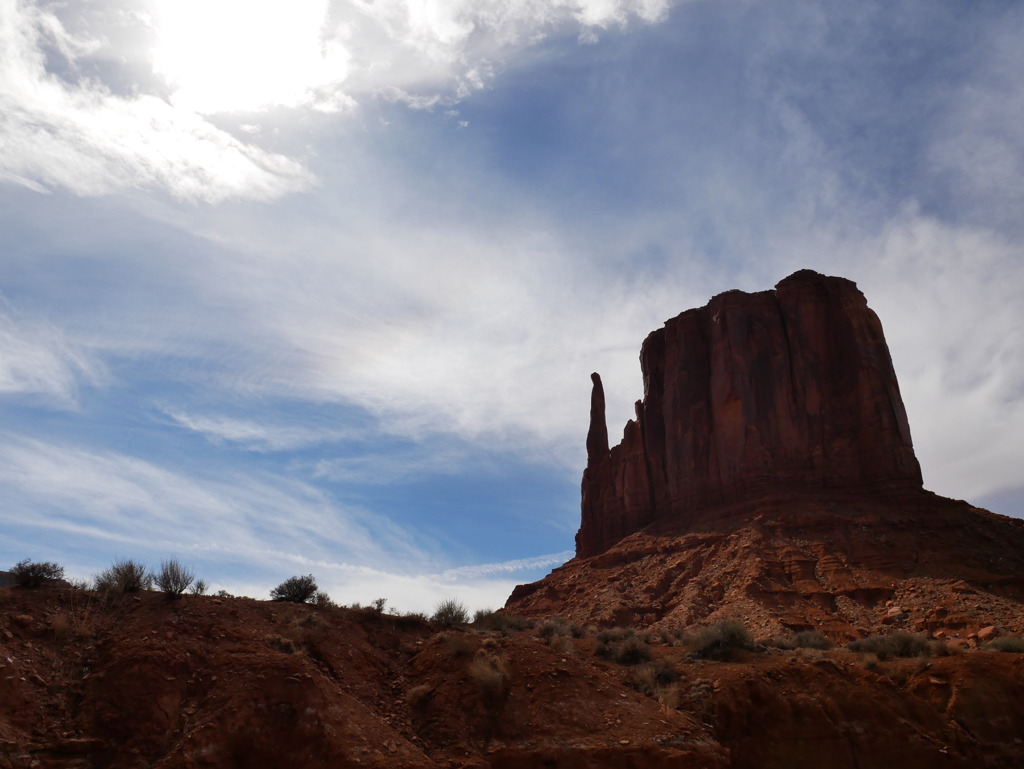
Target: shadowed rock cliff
<point x="771" y="393"/>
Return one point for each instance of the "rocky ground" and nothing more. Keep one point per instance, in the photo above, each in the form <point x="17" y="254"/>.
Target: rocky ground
<point x="140" y="681"/>
<point x="848" y="567"/>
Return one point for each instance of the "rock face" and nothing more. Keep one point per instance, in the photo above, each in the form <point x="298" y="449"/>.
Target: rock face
<point x="775" y="393"/>
<point x="769" y="476"/>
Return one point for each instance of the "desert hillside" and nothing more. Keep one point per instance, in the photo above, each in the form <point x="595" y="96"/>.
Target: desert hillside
<point x="142" y="681"/>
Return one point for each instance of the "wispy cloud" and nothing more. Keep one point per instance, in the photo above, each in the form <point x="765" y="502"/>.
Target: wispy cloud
<point x="506" y="567"/>
<point x="256" y="436"/>
<point x="114" y="498"/>
<point x="36" y="358"/>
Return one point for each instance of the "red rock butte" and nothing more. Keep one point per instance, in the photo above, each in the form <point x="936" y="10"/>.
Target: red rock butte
<point x="769" y="475"/>
<point x="770" y="393"/>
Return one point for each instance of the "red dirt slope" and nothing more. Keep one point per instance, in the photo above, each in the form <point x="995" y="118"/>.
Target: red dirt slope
<point x="218" y="683"/>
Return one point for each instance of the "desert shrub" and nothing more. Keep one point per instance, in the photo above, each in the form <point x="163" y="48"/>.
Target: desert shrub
<point x="1010" y="644"/>
<point x="457" y="645"/>
<point x="323" y="600"/>
<point x="282" y="644"/>
<point x="659" y="680"/>
<point x="614" y="634"/>
<point x="485" y="619"/>
<point x="124" y="576"/>
<point x="491" y="676"/>
<point x="630" y="651"/>
<point x="720" y="641"/>
<point x="450" y="612"/>
<point x="199" y="587"/>
<point x="173" y="578"/>
<point x="419" y="696"/>
<point x="811" y="639"/>
<point x="481" y="616"/>
<point x="410" y="619"/>
<point x="649" y="678"/>
<point x="377" y="605"/>
<point x="558" y="626"/>
<point x="295" y="590"/>
<point x="898" y="644"/>
<point x="870" y="661"/>
<point x="563" y="644"/>
<point x="547" y="630"/>
<point x="29" y="574"/>
<point x="550" y="628"/>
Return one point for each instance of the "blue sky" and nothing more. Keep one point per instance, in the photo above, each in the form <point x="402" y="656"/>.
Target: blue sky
<point x="319" y="288"/>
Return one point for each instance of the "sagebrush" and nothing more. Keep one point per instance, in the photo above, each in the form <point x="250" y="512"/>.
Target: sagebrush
<point x="124" y="576"/>
<point x="35" y="574"/>
<point x="451" y="612"/>
<point x="174" y="578"/>
<point x="295" y="589"/>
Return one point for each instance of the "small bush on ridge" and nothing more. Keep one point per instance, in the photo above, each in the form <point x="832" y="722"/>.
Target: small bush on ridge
<point x="451" y="612"/>
<point x="124" y="576"/>
<point x="29" y="574"/>
<point x="173" y="578"/>
<point x="199" y="587"/>
<point x="295" y="590"/>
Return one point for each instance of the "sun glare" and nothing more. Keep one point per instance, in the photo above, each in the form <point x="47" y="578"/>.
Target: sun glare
<point x="240" y="55"/>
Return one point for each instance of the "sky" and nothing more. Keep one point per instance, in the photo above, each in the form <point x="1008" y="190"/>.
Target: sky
<point x="317" y="287"/>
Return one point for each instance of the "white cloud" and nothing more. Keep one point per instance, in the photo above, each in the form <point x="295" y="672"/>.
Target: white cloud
<point x="256" y="436"/>
<point x="38" y="359"/>
<point x="949" y="299"/>
<point x="79" y="136"/>
<point x="82" y="108"/>
<point x="113" y="499"/>
<point x="507" y="567"/>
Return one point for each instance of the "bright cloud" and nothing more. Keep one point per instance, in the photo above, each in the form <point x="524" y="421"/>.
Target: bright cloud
<point x="74" y="133"/>
<point x="234" y="55"/>
<point x="82" y="108"/>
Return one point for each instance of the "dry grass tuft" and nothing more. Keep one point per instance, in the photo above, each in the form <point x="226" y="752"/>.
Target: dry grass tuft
<point x="419" y="696"/>
<point x="490" y="674"/>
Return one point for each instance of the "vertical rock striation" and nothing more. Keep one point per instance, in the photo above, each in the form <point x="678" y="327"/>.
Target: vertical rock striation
<point x="776" y="392"/>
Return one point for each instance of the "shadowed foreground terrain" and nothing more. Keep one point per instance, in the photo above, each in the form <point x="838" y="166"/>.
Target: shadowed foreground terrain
<point x="140" y="681"/>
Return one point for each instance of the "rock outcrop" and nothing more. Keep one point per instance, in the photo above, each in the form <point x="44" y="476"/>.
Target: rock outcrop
<point x="772" y="393"/>
<point x="769" y="475"/>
